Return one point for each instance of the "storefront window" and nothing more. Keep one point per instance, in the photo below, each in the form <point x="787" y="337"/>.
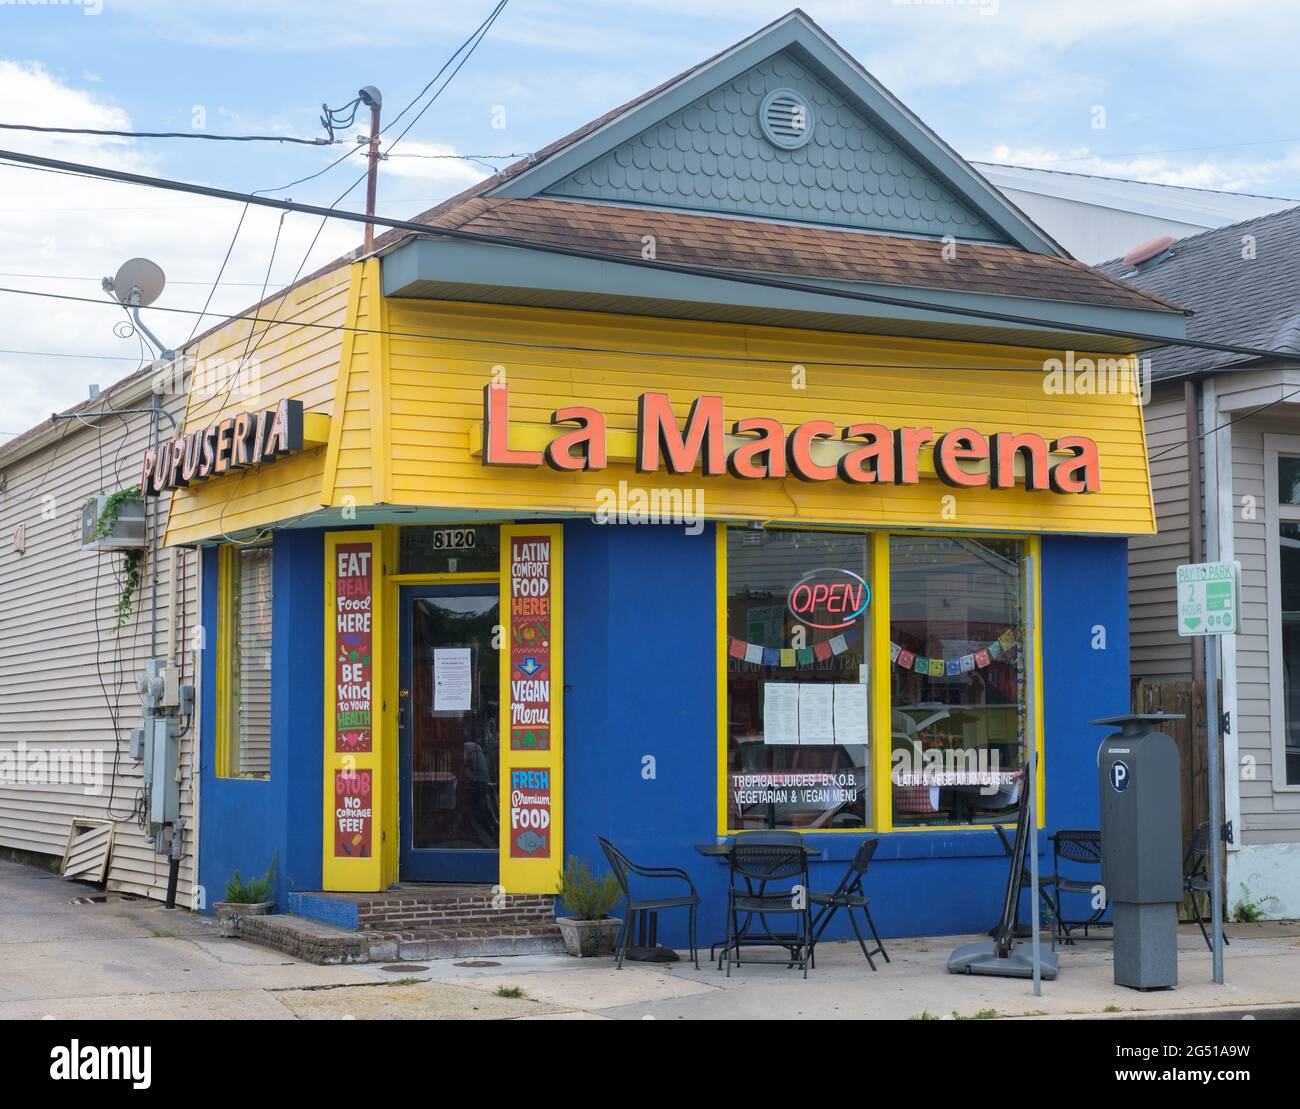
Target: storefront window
<point x="1289" y="563"/>
<point x="798" y="609"/>
<point x="244" y="730"/>
<point x="958" y="676"/>
<point x="449" y="550"/>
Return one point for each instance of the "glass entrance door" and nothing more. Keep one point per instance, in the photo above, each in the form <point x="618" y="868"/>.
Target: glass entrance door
<point x="449" y="733"/>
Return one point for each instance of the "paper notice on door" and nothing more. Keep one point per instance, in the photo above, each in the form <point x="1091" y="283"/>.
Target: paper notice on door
<point x="850" y="713"/>
<point x="816" y="713"/>
<point x="452" y="689"/>
<point x="781" y="713"/>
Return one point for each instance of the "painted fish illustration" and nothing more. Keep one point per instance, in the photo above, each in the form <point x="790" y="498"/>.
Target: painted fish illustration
<point x="530" y="842"/>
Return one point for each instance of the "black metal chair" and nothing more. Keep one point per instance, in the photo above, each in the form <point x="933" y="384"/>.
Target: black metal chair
<point x="753" y="867"/>
<point x="848" y="895"/>
<point x="1080" y="847"/>
<point x="1196" y="877"/>
<point x="647" y="908"/>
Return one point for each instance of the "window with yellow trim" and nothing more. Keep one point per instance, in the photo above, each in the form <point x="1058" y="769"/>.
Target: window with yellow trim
<point x="244" y="649"/>
<point x="958" y="679"/>
<point x="797" y="680"/>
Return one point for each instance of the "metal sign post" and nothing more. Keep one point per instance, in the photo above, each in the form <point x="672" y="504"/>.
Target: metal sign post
<point x="1209" y="596"/>
<point x="1031" y="786"/>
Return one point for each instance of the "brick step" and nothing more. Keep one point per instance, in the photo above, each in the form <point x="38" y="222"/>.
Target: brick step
<point x="406" y="908"/>
<point x="400" y="920"/>
<point x="309" y="940"/>
<point x="325" y="944"/>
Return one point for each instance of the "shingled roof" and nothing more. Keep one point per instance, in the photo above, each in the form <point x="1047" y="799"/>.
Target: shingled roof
<point x="766" y="247"/>
<point x="1241" y="284"/>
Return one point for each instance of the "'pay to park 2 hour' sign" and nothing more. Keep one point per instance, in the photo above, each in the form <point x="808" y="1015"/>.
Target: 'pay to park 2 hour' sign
<point x="1208" y="598"/>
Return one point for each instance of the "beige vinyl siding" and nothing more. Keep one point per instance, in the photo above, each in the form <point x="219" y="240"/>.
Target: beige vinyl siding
<point x="1157" y="650"/>
<point x="67" y="676"/>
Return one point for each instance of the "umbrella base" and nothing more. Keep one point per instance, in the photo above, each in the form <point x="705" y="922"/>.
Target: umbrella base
<point x="981" y="957"/>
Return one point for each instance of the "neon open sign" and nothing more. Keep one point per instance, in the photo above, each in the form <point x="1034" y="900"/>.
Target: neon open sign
<point x="829" y="598"/>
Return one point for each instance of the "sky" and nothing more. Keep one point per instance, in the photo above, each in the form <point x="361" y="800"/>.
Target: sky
<point x="1188" y="92"/>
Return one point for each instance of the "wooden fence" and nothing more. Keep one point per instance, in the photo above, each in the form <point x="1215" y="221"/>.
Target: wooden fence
<point x="1188" y="699"/>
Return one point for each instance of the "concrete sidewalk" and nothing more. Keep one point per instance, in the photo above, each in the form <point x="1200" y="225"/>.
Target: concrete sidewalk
<point x="126" y="959"/>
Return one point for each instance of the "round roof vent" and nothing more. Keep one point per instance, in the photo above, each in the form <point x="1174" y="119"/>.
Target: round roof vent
<point x="786" y="118"/>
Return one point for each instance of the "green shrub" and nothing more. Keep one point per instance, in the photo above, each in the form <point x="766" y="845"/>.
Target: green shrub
<point x="1249" y="907"/>
<point x="587" y="897"/>
<point x="250" y="893"/>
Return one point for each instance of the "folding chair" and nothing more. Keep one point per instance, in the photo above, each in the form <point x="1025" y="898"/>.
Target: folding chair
<point x="848" y="895"/>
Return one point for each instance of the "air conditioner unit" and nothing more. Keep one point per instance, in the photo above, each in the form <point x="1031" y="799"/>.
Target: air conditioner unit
<point x="128" y="531"/>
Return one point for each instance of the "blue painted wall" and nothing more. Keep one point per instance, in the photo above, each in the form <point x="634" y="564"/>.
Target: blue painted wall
<point x="639" y="662"/>
<point x="245" y="823"/>
<point x="639" y="666"/>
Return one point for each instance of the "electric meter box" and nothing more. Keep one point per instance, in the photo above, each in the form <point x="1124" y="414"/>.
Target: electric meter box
<point x="1140" y="789"/>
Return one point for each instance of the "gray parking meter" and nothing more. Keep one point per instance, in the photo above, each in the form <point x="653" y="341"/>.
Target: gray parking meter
<point x="1141" y="848"/>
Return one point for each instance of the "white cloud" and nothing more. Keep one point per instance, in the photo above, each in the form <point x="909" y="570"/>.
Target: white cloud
<point x="1231" y="173"/>
<point x="63" y="233"/>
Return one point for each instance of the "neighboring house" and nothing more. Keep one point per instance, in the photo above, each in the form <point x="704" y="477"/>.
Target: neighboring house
<point x="68" y="669"/>
<point x="1097" y="218"/>
<point x="1236" y="498"/>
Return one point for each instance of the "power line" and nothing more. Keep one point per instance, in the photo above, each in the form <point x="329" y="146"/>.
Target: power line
<point x="563" y="348"/>
<point x="96" y="280"/>
<point x="636" y="262"/>
<point x="1227" y="423"/>
<point x="164" y="134"/>
<point x="469" y="157"/>
<point x="61" y="354"/>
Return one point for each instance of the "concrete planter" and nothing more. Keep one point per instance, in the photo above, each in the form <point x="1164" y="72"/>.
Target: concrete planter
<point x="588" y="939"/>
<point x="230" y="913"/>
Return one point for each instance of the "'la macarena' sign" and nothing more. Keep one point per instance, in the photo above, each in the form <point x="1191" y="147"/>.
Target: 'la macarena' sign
<point x="870" y="452"/>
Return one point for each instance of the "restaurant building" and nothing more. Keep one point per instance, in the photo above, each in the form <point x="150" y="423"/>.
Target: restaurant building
<point x="738" y="462"/>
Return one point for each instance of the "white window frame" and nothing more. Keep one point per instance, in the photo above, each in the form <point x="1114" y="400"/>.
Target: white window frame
<point x="1275" y="512"/>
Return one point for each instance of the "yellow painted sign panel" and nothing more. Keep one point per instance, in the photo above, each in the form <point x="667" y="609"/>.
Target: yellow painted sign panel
<point x="354" y="739"/>
<point x="532" y="708"/>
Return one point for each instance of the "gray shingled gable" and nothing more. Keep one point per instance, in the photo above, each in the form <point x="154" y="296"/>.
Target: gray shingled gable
<point x="1234" y="298"/>
<point x="711" y="156"/>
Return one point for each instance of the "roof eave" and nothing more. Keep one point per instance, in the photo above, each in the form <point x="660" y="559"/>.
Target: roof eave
<point x="508" y="275"/>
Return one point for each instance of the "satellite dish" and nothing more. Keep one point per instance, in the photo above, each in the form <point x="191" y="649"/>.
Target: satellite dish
<point x="142" y="275"/>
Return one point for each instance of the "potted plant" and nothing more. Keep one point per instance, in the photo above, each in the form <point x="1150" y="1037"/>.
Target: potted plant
<point x="590" y="930"/>
<point x="117" y="523"/>
<point x="245" y="899"/>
